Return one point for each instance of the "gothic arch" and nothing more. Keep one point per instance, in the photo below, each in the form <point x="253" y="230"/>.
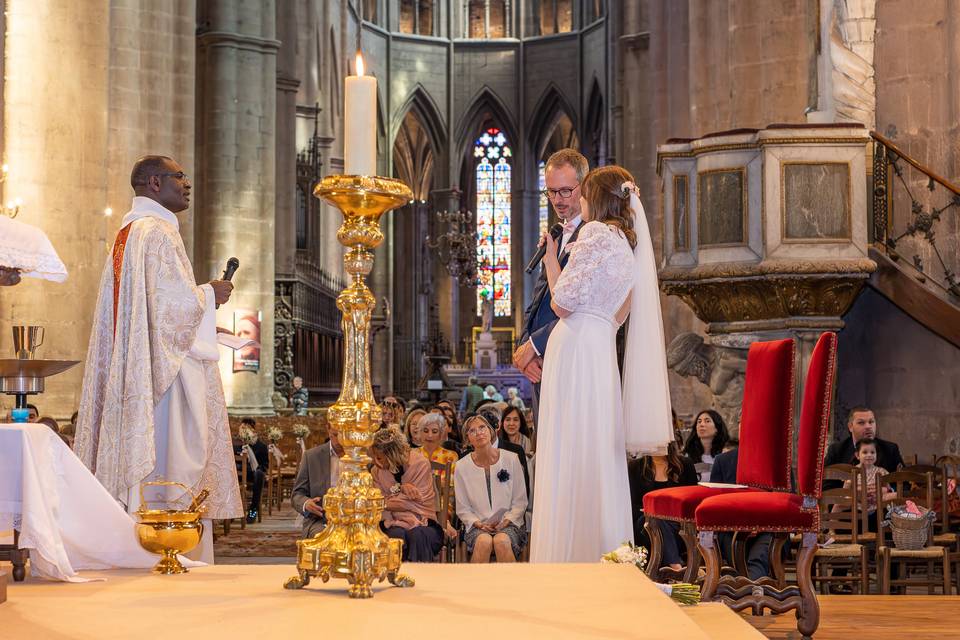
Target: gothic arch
<point x="550" y="109"/>
<point x="421" y="102"/>
<point x="485" y="106"/>
<point x="593" y="135"/>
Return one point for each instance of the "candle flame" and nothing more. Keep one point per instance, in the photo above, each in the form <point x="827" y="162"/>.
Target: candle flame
<point x="359" y="64"/>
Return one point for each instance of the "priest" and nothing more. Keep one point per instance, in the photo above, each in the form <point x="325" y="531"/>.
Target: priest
<point x="152" y="405"/>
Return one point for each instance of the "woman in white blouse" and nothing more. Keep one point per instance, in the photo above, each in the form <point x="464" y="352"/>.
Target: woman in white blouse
<point x="491" y="496"/>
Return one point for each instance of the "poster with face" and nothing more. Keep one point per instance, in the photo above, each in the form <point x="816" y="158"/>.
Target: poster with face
<point x="246" y="324"/>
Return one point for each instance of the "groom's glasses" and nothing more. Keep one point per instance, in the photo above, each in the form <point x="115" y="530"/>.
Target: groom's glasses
<point x="564" y="193"/>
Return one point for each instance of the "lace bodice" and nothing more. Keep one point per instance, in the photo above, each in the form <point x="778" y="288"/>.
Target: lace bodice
<point x="599" y="273"/>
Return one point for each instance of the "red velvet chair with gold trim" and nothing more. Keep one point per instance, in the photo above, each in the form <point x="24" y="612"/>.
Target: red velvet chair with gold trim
<point x="766" y="440"/>
<point x="779" y="512"/>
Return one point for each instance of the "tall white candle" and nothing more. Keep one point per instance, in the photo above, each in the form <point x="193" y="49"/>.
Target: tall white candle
<point x="360" y="123"/>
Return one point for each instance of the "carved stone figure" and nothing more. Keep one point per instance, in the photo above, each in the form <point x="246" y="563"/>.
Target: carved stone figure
<point x="722" y="369"/>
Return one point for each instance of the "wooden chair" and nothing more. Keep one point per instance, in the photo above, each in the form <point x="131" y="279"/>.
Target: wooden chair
<point x="240" y="459"/>
<point x="942" y="535"/>
<point x="766" y="437"/>
<point x="951" y="469"/>
<point x="919" y="487"/>
<point x="780" y="512"/>
<point x="443" y="486"/>
<point x="840" y="515"/>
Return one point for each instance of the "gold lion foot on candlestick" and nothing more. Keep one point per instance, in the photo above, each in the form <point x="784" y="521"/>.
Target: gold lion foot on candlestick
<point x="298" y="581"/>
<point x="400" y="579"/>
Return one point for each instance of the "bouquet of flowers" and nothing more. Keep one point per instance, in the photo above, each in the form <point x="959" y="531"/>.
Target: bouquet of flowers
<point x="301" y="430"/>
<point x="247" y="435"/>
<point x="274" y="434"/>
<point x="629" y="553"/>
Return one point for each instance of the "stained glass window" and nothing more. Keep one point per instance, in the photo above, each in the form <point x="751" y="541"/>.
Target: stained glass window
<point x="493" y="157"/>
<point x="544" y="209"/>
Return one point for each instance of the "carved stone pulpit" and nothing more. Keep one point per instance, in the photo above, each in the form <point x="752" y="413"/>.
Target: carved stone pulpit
<point x="765" y="231"/>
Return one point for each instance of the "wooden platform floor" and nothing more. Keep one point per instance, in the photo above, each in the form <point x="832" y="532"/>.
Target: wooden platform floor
<point x="873" y="617"/>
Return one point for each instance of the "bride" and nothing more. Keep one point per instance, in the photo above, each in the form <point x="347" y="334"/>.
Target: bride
<point x="586" y="426"/>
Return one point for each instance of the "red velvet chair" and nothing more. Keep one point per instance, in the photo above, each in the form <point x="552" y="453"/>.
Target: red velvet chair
<point x="766" y="440"/>
<point x="779" y="512"/>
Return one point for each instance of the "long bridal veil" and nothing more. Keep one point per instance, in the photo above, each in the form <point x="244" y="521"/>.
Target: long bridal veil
<point x="647" y="418"/>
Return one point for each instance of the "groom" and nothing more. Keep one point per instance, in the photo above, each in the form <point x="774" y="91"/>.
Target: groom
<point x="563" y="174"/>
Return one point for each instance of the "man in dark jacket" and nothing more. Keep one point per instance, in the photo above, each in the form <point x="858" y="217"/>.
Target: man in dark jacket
<point x="758" y="547"/>
<point x="862" y="424"/>
<point x="563" y="173"/>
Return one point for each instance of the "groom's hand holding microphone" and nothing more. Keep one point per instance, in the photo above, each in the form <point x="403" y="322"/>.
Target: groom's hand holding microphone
<point x="525" y="358"/>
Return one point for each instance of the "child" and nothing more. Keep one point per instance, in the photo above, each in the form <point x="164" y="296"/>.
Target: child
<point x="867" y="457"/>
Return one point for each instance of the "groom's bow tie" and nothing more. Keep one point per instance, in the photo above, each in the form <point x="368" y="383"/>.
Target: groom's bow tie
<point x="568" y="227"/>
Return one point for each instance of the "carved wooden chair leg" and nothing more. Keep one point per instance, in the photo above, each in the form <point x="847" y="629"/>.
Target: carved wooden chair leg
<point x="688" y="533"/>
<point x="656" y="548"/>
<point x="808" y="618"/>
<point x="776" y="559"/>
<point x="711" y="556"/>
<point x="740" y="539"/>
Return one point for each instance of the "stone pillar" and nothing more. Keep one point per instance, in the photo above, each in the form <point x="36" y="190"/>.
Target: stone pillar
<point x="286" y="140"/>
<point x="125" y="80"/>
<point x="236" y="174"/>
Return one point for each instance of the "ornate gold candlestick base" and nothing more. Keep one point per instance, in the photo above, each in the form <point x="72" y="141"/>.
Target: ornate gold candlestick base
<point x="352" y="546"/>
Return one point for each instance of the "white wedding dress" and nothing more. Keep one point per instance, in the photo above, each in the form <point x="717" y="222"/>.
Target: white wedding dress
<point x="581" y="506"/>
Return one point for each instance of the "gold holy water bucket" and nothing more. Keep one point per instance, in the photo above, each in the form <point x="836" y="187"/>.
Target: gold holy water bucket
<point x="170" y="531"/>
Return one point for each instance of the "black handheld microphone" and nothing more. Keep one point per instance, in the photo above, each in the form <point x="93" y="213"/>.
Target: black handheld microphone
<point x="232" y="265"/>
<point x="556" y="231"/>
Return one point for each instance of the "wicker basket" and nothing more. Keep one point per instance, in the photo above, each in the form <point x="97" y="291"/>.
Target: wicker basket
<point x="911" y="534"/>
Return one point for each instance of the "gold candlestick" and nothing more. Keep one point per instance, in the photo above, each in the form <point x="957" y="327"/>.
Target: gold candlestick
<point x="352" y="546"/>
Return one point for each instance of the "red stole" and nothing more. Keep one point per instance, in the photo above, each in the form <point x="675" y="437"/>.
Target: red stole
<point x="118" y="246"/>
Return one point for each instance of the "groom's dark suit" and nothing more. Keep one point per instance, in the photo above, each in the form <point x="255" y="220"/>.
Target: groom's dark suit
<point x="539" y="318"/>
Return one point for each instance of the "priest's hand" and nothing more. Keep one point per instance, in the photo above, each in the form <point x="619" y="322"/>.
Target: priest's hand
<point x="221" y="290"/>
<point x="524" y="355"/>
<point x="9" y="276"/>
<point x="314" y="506"/>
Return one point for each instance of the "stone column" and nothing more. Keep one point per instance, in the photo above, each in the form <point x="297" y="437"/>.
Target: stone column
<point x="236" y="174"/>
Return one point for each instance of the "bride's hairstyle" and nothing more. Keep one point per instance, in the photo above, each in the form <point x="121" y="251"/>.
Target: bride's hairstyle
<point x="608" y="201"/>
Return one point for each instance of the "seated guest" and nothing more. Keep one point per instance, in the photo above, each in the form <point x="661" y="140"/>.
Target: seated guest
<point x="393" y="410"/>
<point x="867" y="460"/>
<point x="410" y="503"/>
<point x="432" y="427"/>
<point x="319" y="470"/>
<point x="758" y="547"/>
<point x="706" y="441"/>
<point x="491" y="500"/>
<point x="490" y="393"/>
<point x="862" y="424"/>
<point x="411" y="425"/>
<point x="514" y="429"/>
<point x="34" y="413"/>
<point x="451" y="437"/>
<point x="492" y="415"/>
<point x="258" y="461"/>
<point x="650" y="473"/>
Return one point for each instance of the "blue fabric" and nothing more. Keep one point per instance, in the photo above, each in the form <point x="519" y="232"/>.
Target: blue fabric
<point x="539" y="318"/>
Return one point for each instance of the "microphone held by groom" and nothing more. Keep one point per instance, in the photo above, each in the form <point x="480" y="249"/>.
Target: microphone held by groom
<point x="563" y="173"/>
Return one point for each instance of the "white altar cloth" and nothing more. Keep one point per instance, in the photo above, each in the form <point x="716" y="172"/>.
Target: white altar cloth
<point x="65" y="516"/>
